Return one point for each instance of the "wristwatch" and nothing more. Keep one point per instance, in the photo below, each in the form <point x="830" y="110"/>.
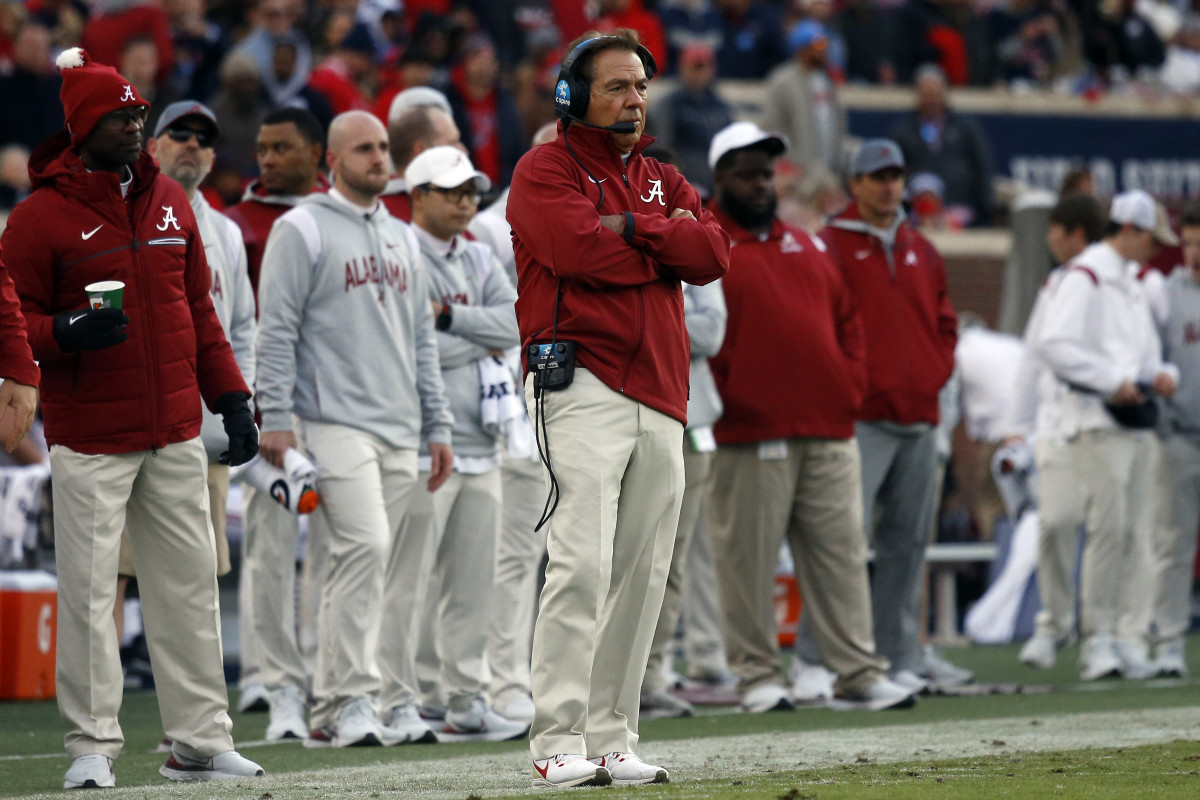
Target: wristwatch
<point x="444" y="318"/>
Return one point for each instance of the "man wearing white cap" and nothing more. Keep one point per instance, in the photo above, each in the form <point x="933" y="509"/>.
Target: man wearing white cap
<point x="1099" y="340"/>
<point x="788" y="464"/>
<point x="473" y="301"/>
<point x="348" y="366"/>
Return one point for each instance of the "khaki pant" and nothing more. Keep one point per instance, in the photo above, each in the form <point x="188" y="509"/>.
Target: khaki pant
<point x="697" y="470"/>
<point x="162" y="498"/>
<point x="365" y="487"/>
<point x="1115" y="468"/>
<point x="1178" y="501"/>
<point x="1061" y="512"/>
<point x="270" y="569"/>
<point x="619" y="466"/>
<point x="813" y="497"/>
<point x="218" y="493"/>
<point x="514" y="595"/>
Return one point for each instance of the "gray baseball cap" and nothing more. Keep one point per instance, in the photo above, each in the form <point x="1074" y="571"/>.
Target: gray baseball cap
<point x="186" y="108"/>
<point x="874" y="155"/>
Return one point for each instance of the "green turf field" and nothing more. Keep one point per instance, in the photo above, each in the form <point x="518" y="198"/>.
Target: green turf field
<point x="1056" y="737"/>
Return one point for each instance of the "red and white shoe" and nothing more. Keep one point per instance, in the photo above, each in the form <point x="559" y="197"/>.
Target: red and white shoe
<point x="627" y="769"/>
<point x="566" y="770"/>
<point x="320" y="737"/>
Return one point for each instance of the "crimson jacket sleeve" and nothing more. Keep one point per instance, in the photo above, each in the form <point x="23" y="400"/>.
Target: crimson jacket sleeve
<point x="217" y="371"/>
<point x="16" y="359"/>
<point x="695" y="250"/>
<point x="30" y="260"/>
<point x="851" y="338"/>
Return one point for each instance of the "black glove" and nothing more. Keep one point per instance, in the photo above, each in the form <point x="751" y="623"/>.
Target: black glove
<point x="90" y="328"/>
<point x="234" y="408"/>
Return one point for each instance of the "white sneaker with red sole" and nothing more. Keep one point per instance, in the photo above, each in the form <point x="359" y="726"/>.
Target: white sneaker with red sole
<point x="627" y="769"/>
<point x="223" y="766"/>
<point x="566" y="770"/>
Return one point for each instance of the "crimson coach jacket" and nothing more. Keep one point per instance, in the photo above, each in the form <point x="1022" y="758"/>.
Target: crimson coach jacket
<point x="900" y="290"/>
<point x="75" y="229"/>
<point x="16" y="359"/>
<point x="621" y="300"/>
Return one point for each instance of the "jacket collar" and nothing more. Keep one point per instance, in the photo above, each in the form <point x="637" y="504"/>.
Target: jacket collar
<point x="593" y="142"/>
<point x="55" y="163"/>
<point x="258" y="193"/>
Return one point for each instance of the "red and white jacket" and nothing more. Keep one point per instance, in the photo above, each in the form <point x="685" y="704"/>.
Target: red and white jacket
<point x="76" y="229"/>
<point x="255" y="215"/>
<point x="621" y="300"/>
<point x="792" y="364"/>
<point x="898" y="282"/>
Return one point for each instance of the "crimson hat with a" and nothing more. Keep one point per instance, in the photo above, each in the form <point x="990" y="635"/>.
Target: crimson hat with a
<point x="91" y="90"/>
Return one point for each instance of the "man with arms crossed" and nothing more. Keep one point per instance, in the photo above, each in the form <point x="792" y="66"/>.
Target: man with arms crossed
<point x="348" y="366"/>
<point x="603" y="236"/>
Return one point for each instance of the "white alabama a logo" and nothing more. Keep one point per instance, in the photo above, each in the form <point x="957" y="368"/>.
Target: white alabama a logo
<point x="128" y="94"/>
<point x="656" y="192"/>
<point x="168" y="219"/>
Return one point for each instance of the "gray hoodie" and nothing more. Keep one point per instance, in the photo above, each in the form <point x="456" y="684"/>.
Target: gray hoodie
<point x="1181" y="345"/>
<point x="345" y="330"/>
<point x="467" y="276"/>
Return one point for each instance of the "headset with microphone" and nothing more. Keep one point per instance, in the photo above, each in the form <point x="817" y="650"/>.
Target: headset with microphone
<point x="572" y="93"/>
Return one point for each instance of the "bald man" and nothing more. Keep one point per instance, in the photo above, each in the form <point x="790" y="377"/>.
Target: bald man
<point x="338" y="271"/>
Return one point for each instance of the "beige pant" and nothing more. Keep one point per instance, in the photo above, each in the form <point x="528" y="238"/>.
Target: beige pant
<point x="514" y="595"/>
<point x="1061" y="511"/>
<point x="163" y="498"/>
<point x="1116" y="469"/>
<point x="813" y="497"/>
<point x="1175" y="535"/>
<point x="218" y="493"/>
<point x="365" y="487"/>
<point x="697" y="469"/>
<point x="619" y="466"/>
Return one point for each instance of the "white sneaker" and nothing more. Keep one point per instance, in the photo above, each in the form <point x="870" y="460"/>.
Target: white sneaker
<point x="664" y="705"/>
<point x="403" y="725"/>
<point x="627" y="769"/>
<point x="92" y="771"/>
<point x="478" y="723"/>
<point x="222" y="766"/>
<point x="1039" y="651"/>
<point x="1099" y="658"/>
<point x="812" y="684"/>
<point x="287" y="715"/>
<point x="566" y="770"/>
<point x="882" y="694"/>
<point x="909" y="680"/>
<point x="1135" y="660"/>
<point x="519" y="709"/>
<point x="940" y="672"/>
<point x="357" y="725"/>
<point x="1170" y="661"/>
<point x="769" y="697"/>
<point x="254" y="697"/>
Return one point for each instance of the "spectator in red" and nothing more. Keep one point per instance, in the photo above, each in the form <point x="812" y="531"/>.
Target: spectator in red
<point x="32" y="87"/>
<point x="115" y="22"/>
<point x="948" y="33"/>
<point x="341" y="75"/>
<point x="486" y="112"/>
<point x="630" y="14"/>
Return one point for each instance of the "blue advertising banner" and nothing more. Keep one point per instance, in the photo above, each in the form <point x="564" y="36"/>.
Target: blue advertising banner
<point x="1159" y="155"/>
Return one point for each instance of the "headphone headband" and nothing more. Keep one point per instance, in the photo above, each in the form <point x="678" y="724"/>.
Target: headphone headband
<point x="572" y="92"/>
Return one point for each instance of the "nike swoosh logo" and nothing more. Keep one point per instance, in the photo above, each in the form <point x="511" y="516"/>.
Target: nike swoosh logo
<point x="861" y="254"/>
<point x="597" y="182"/>
<point x="87" y="236"/>
<point x="77" y="317"/>
<point x="540" y="770"/>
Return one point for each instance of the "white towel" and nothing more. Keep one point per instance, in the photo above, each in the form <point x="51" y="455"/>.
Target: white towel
<point x="993" y="619"/>
<point x="294" y="487"/>
<point x="498" y="401"/>
<point x="20" y="507"/>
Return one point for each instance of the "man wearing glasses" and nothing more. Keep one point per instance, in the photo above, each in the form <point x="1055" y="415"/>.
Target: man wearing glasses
<point x="121" y="387"/>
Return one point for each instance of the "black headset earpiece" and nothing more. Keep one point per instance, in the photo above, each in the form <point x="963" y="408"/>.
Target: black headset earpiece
<point x="572" y="92"/>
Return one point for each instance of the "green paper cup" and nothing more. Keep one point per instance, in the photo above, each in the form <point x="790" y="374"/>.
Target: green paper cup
<point x="105" y="294"/>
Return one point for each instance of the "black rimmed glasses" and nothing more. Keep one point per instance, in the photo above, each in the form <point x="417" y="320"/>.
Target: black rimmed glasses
<point x="120" y="119"/>
<point x="457" y="194"/>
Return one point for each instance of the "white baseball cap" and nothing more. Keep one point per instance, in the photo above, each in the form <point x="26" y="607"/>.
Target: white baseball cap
<point x="1137" y="208"/>
<point x="444" y="166"/>
<point x="739" y="135"/>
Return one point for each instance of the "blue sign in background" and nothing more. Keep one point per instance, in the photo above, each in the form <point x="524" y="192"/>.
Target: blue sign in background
<point x="1159" y="155"/>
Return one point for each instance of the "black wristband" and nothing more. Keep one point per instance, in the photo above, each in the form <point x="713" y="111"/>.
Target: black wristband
<point x="444" y="318"/>
<point x="627" y="234"/>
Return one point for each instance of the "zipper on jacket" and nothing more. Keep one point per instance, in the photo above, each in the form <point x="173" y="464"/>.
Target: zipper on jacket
<point x="641" y="338"/>
<point x="625" y="178"/>
<point x="149" y="347"/>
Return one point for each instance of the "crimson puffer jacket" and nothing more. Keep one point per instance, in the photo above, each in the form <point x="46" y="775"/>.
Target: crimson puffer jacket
<point x="621" y="300"/>
<point x="898" y="282"/>
<point x="75" y="229"/>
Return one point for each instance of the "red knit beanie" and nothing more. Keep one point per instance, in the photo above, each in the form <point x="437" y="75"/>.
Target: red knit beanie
<point x="91" y="90"/>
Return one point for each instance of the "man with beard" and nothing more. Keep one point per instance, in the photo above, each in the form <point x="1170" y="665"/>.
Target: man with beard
<point x="788" y="463"/>
<point x="339" y="274"/>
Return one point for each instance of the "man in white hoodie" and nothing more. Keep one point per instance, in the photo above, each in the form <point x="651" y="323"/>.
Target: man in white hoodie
<point x="1099" y="340"/>
<point x="348" y="366"/>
